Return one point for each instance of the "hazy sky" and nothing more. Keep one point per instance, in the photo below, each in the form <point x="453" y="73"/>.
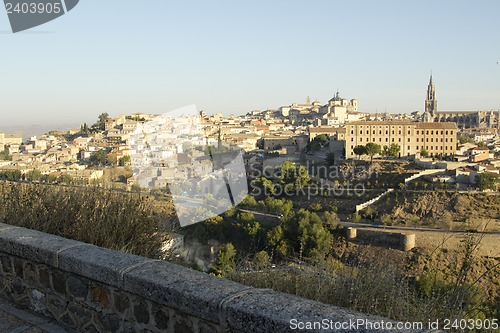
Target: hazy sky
<point x="122" y="56"/>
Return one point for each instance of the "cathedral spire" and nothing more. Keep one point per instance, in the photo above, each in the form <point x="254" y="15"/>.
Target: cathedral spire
<point x="430" y="102"/>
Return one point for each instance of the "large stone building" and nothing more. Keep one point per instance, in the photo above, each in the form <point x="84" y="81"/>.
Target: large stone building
<point x="412" y="137"/>
<point x="464" y="119"/>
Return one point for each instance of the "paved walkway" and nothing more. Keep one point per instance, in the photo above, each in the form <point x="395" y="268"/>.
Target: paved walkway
<point x="15" y="320"/>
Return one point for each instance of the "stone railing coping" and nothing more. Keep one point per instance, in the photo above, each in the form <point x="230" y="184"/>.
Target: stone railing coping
<point x="236" y="307"/>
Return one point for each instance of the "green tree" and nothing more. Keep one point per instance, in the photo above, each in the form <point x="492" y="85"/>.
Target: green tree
<point x="249" y="201"/>
<point x="4" y="155"/>
<point x="391" y="151"/>
<point x="101" y="121"/>
<point x="276" y="239"/>
<point x="34" y="175"/>
<point x="265" y="184"/>
<point x="322" y="138"/>
<point x="125" y="160"/>
<point x="65" y="178"/>
<point x="330" y="158"/>
<point x="359" y="150"/>
<point x="11" y="175"/>
<point x="372" y="149"/>
<point x="481" y="144"/>
<point x="262" y="260"/>
<point x="246" y="217"/>
<point x="315" y="241"/>
<point x="225" y="263"/>
<point x="99" y="158"/>
<point x="487" y="181"/>
<point x="424" y="153"/>
<point x="292" y="175"/>
<point x="111" y="159"/>
<point x="313" y="145"/>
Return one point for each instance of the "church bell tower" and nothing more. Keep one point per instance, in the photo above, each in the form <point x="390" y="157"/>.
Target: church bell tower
<point x="430" y="102"/>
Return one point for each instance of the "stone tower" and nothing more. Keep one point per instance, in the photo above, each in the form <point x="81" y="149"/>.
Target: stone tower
<point x="430" y="102"/>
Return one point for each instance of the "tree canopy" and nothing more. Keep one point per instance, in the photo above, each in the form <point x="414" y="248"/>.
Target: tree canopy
<point x="359" y="150"/>
<point x="392" y="151"/>
<point x="372" y="149"/>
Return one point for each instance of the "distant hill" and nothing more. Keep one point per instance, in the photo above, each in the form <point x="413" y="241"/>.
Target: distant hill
<point x="28" y="131"/>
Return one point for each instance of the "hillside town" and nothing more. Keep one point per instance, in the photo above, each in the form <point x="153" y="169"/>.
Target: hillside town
<point x="464" y="144"/>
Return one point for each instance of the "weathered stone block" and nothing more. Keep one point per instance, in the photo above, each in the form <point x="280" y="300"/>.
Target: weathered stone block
<point x="100" y="297"/>
<point x="6" y="263"/>
<point x="44" y="276"/>
<point x="67" y="320"/>
<point x="109" y="322"/>
<point x="77" y="288"/>
<point x="188" y="291"/>
<point x="81" y="314"/>
<point x="121" y="301"/>
<point x="99" y="264"/>
<point x="183" y="325"/>
<point x="59" y="281"/>
<point x="56" y="305"/>
<point x="34" y="245"/>
<point x="38" y="301"/>
<point x="29" y="273"/>
<point x="18" y="267"/>
<point x="141" y="312"/>
<point x="161" y="320"/>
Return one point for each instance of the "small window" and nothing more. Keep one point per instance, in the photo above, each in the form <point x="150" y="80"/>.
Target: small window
<point x="409" y="140"/>
<point x="386" y="139"/>
<point x="408" y="148"/>
<point x="408" y="132"/>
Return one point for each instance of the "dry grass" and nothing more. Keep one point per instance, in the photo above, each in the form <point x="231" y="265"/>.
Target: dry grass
<point x="115" y="220"/>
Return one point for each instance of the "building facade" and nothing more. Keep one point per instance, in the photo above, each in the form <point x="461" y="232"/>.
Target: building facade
<point x="411" y="137"/>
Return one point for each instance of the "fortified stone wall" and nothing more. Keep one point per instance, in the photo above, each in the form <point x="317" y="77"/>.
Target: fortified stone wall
<point x="91" y="289"/>
<point x="395" y="240"/>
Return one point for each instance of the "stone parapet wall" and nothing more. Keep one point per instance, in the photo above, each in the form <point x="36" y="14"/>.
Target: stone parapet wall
<point x="91" y="289"/>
